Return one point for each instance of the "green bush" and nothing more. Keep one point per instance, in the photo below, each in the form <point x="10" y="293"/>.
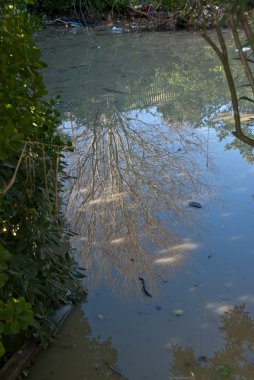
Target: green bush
<point x="173" y="5"/>
<point x="53" y="6"/>
<point x="87" y="8"/>
<point x="36" y="270"/>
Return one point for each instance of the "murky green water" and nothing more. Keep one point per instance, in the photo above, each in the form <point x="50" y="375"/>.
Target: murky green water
<point x="170" y="286"/>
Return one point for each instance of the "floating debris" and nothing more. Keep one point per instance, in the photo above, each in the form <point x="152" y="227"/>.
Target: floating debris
<point x="113" y="90"/>
<point x="178" y="312"/>
<point x="69" y="23"/>
<point x="244" y="49"/>
<point x="74" y="23"/>
<point x="144" y="287"/>
<point x="117" y="29"/>
<point x="114" y="369"/>
<point x="195" y="204"/>
<point x="158" y="307"/>
<point x="101" y="317"/>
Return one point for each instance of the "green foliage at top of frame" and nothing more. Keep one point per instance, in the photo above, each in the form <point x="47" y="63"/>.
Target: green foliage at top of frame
<point x="98" y="9"/>
<point x="77" y="7"/>
<point x="91" y="8"/>
<point x="23" y="112"/>
<point x="171" y="5"/>
<point x="36" y="270"/>
<point x="51" y="6"/>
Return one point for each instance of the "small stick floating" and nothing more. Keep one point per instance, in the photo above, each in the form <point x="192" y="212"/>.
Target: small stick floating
<point x="144" y="287"/>
<point x="113" y="369"/>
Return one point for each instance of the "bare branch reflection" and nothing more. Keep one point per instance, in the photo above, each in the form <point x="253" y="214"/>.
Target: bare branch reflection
<point x="131" y="178"/>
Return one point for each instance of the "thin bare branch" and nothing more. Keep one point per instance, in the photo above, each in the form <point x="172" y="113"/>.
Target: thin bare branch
<point x="13" y="179"/>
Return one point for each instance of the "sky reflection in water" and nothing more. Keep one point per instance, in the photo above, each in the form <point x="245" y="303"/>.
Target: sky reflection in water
<point x="132" y="105"/>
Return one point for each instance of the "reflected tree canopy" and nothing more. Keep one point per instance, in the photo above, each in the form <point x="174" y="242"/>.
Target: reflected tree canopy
<point x="233" y="361"/>
<point x="132" y="177"/>
<point x="223" y="123"/>
<point x="182" y="82"/>
<point x="187" y="84"/>
<point x="138" y="158"/>
<point x="78" y="355"/>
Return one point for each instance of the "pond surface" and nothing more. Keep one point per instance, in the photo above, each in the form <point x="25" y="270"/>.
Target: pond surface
<point x="170" y="286"/>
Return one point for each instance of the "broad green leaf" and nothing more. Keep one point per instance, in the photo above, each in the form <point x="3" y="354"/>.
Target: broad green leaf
<point x="224" y="370"/>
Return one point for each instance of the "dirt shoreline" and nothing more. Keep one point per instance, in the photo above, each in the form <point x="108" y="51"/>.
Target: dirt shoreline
<point x="18" y="363"/>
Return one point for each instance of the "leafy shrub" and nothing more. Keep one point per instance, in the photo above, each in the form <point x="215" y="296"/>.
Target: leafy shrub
<point x="36" y="270"/>
<point x="80" y="8"/>
<point x="172" y="5"/>
<point x="53" y="6"/>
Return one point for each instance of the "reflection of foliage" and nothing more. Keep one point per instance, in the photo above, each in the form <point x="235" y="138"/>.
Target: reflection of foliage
<point x="192" y="87"/>
<point x="130" y="173"/>
<point x="233" y="359"/>
<point x="188" y="76"/>
<point x="223" y="123"/>
<point x="245" y="150"/>
<point x="94" y="358"/>
<point x="186" y="79"/>
<point x="225" y="129"/>
<point x="234" y="12"/>
<point x="181" y="79"/>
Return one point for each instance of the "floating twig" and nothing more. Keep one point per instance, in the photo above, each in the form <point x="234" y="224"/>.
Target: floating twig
<point x="144" y="287"/>
<point x="115" y="370"/>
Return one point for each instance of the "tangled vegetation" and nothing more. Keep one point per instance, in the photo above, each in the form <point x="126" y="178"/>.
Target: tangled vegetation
<point x="37" y="272"/>
<point x="92" y="9"/>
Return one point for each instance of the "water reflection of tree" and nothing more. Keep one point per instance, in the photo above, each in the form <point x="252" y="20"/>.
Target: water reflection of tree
<point x="224" y="126"/>
<point x="179" y="71"/>
<point x="77" y="355"/>
<point x="131" y="178"/>
<point x="236" y="357"/>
